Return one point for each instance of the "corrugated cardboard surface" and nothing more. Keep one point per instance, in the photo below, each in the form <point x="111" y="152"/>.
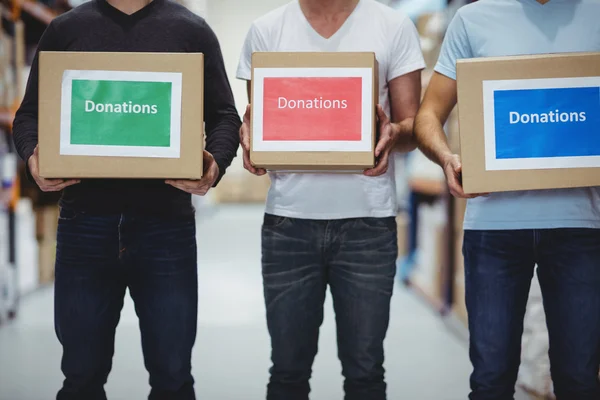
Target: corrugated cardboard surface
<point x="307" y="161"/>
<point x="54" y="165"/>
<point x="470" y="77"/>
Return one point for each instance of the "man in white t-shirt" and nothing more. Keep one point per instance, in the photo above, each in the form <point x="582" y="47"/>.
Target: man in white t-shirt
<point x="335" y="229"/>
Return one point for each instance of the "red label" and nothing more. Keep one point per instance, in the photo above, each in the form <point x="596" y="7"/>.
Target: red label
<point x="312" y="109"/>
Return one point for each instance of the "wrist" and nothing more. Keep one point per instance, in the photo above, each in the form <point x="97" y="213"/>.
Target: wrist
<point x="445" y="159"/>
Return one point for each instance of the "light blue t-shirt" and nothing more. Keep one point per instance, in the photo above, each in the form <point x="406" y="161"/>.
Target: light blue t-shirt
<point x="491" y="28"/>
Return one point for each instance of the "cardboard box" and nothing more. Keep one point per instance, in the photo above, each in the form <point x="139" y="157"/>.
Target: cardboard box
<point x="314" y="111"/>
<point x="242" y="189"/>
<point x="402" y="221"/>
<point x="121" y="115"/>
<point x="47" y="261"/>
<point x="429" y="273"/>
<point x="459" y="306"/>
<point x="46" y="222"/>
<point x="529" y="122"/>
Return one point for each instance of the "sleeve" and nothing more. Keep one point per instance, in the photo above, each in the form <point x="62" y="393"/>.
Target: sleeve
<point x="254" y="42"/>
<point x="406" y="55"/>
<point x="456" y="46"/>
<point x="222" y="121"/>
<point x="25" y="125"/>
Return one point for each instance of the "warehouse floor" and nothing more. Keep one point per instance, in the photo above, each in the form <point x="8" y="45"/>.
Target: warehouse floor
<point x="425" y="360"/>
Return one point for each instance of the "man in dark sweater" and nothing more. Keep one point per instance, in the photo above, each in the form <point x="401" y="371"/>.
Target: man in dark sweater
<point x="136" y="234"/>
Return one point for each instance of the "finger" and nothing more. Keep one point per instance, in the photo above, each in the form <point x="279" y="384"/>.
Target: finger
<point x="202" y="192"/>
<point x="383" y="143"/>
<point x="457" y="167"/>
<point x="180" y="187"/>
<point x="54" y="183"/>
<point x="65" y="184"/>
<point x="245" y="137"/>
<point x="50" y="182"/>
<point x="381" y="167"/>
<point x="247" y="164"/>
<point x="245" y="129"/>
<point x="183" y="184"/>
<point x="247" y="114"/>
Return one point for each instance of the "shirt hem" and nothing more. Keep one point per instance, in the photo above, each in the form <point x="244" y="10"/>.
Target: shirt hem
<point x="407" y="69"/>
<point x="520" y="225"/>
<point x="448" y="72"/>
<point x="327" y="216"/>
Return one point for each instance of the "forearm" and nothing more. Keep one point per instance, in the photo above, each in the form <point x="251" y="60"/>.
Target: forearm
<point x="25" y="134"/>
<point x="431" y="138"/>
<point x="222" y="139"/>
<point x="405" y="133"/>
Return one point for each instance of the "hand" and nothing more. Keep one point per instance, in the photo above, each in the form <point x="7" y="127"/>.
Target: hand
<point x="245" y="141"/>
<point x="46" y="185"/>
<point x="199" y="186"/>
<point x="388" y="134"/>
<point x="453" y="171"/>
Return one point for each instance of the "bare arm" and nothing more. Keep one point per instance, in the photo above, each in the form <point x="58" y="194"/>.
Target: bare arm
<point x="438" y="103"/>
<point x="249" y="90"/>
<point x="405" y="95"/>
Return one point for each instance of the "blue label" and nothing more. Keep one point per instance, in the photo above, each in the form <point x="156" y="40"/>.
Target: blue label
<point x="532" y="123"/>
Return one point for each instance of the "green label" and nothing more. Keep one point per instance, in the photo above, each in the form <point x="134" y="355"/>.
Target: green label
<point x="121" y="113"/>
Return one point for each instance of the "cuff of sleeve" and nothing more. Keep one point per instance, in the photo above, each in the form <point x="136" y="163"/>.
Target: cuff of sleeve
<point x="222" y="167"/>
<point x="407" y="69"/>
<point x="26" y="158"/>
<point x="448" y="72"/>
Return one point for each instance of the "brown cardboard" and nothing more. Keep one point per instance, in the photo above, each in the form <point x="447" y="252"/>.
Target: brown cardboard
<point x="46" y="223"/>
<point x="459" y="306"/>
<point x="402" y="222"/>
<point x="19" y="58"/>
<point x="47" y="260"/>
<point x="242" y="189"/>
<point x="305" y="160"/>
<point x="187" y="166"/>
<point x="470" y="76"/>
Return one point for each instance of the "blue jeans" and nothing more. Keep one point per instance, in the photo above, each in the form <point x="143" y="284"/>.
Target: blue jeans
<point x="97" y="258"/>
<point x="357" y="259"/>
<point x="499" y="266"/>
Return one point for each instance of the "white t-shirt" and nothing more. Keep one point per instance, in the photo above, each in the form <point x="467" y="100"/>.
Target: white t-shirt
<point x="372" y="27"/>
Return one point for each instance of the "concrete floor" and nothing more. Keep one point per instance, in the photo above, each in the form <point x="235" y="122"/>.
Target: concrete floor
<point x="425" y="361"/>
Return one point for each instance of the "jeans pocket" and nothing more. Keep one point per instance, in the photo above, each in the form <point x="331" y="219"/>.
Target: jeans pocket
<point x="66" y="214"/>
<point x="273" y="221"/>
<point x="387" y="223"/>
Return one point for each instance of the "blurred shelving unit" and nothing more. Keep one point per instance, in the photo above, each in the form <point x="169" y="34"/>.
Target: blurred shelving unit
<point x="22" y="23"/>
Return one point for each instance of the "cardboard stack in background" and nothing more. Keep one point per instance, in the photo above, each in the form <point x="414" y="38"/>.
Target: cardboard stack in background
<point x="242" y="187"/>
<point x="428" y="275"/>
<point x="459" y="307"/>
<point x="402" y="221"/>
<point x="12" y="66"/>
<point x="46" y="226"/>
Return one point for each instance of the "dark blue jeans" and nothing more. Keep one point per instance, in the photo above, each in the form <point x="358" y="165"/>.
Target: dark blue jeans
<point x="356" y="258"/>
<point x="499" y="266"/>
<point x="97" y="258"/>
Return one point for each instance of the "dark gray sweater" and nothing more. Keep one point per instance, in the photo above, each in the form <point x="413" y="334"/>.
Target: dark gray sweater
<point x="162" y="26"/>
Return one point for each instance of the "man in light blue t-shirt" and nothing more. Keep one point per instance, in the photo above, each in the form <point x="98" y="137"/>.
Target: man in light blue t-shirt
<point x="507" y="234"/>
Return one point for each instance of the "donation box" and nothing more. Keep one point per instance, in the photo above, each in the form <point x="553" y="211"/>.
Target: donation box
<point x="529" y="122"/>
<point x="121" y="115"/>
<point x="314" y="111"/>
